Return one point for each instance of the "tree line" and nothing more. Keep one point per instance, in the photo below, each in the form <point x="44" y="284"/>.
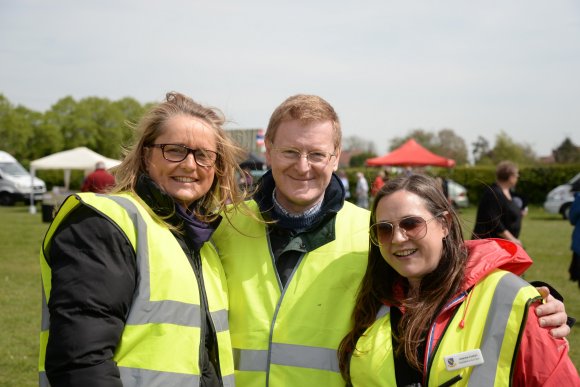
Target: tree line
<point x="97" y="123"/>
<point x="102" y="125"/>
<point x="448" y="144"/>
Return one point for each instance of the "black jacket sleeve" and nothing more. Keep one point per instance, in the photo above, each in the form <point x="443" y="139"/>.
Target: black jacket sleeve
<point x="93" y="279"/>
<point x="488" y="222"/>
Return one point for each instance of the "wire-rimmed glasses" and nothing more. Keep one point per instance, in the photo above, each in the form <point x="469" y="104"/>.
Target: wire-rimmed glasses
<point x="413" y="227"/>
<point x="292" y="155"/>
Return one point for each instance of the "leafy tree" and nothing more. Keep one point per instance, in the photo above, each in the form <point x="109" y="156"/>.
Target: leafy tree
<point x="96" y="123"/>
<point x="567" y="152"/>
<point x="15" y="130"/>
<point x="65" y="114"/>
<point x="426" y="139"/>
<point x="45" y="139"/>
<point x="452" y="146"/>
<point x="481" y="151"/>
<point x="356" y="143"/>
<point x="359" y="159"/>
<point x="105" y="121"/>
<point x="132" y="111"/>
<point x="507" y="149"/>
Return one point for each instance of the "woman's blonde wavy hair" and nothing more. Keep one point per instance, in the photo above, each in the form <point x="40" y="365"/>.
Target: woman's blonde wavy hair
<point x="224" y="189"/>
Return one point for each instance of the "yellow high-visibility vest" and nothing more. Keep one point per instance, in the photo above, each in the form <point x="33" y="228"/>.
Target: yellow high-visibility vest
<point x="289" y="336"/>
<point x="493" y="322"/>
<point x="160" y="343"/>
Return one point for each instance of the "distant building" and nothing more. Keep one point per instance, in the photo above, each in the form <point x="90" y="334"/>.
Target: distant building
<point x="346" y="155"/>
<point x="251" y="140"/>
<point x="547" y="159"/>
<point x="344" y="161"/>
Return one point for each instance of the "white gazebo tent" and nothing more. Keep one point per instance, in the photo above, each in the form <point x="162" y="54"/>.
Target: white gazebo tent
<point x="78" y="158"/>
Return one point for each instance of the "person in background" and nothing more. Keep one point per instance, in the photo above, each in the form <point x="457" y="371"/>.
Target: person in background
<point x="98" y="181"/>
<point x="293" y="268"/>
<point x="444" y="184"/>
<point x="521" y="201"/>
<point x="362" y="191"/>
<point x="498" y="216"/>
<point x="435" y="310"/>
<point x="344" y="180"/>
<point x="134" y="293"/>
<point x="379" y="181"/>
<point x="574" y="217"/>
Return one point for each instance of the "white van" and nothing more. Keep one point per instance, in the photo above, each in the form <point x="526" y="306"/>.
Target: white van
<point x="15" y="182"/>
<point x="559" y="200"/>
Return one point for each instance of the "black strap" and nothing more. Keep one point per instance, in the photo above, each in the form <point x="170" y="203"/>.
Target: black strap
<point x="405" y="374"/>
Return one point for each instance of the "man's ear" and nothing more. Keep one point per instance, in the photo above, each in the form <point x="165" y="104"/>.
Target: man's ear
<point x="268" y="153"/>
<point x="336" y="160"/>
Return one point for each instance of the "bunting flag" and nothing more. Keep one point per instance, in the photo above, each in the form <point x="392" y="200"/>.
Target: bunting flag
<point x="260" y="140"/>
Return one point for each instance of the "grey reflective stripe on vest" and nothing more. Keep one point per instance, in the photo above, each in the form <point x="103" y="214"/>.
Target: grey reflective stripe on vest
<point x="286" y="355"/>
<point x="137" y="377"/>
<point x="383" y="310"/>
<point x="250" y="359"/>
<point x="144" y="311"/>
<point x="493" y="333"/>
<point x="43" y="380"/>
<point x="134" y="377"/>
<point x="229" y="380"/>
<point x="220" y="320"/>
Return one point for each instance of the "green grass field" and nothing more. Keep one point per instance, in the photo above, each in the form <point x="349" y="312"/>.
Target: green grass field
<point x="546" y="238"/>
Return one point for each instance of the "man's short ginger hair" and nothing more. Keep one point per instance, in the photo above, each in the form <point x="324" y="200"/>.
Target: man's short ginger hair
<point x="307" y="109"/>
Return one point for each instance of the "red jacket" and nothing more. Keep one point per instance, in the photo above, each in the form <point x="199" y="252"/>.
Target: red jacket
<point x="541" y="360"/>
<point x="98" y="181"/>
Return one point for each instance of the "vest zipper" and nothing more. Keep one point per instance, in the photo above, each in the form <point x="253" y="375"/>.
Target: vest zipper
<point x="432" y="354"/>
<point x="278" y="304"/>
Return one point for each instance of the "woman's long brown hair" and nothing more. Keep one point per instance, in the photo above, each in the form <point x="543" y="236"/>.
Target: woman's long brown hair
<point x="380" y="278"/>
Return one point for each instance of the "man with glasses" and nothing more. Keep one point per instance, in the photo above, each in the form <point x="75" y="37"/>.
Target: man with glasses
<point x="294" y="266"/>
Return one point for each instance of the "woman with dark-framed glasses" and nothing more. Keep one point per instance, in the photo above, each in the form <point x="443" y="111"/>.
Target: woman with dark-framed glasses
<point x="135" y="294"/>
<point x="435" y="310"/>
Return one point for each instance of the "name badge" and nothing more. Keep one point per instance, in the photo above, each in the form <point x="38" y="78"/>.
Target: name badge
<point x="463" y="359"/>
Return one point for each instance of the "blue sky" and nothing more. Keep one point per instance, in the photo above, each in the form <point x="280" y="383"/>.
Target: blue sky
<point x="386" y="66"/>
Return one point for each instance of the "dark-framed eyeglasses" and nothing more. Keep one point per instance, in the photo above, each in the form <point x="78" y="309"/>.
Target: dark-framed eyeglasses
<point x="413" y="227"/>
<point x="292" y="155"/>
<point x="176" y="153"/>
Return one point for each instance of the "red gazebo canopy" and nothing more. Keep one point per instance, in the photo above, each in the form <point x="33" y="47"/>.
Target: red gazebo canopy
<point x="411" y="154"/>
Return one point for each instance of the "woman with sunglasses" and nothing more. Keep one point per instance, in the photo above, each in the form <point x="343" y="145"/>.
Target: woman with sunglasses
<point x="435" y="310"/>
<point x="135" y="294"/>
